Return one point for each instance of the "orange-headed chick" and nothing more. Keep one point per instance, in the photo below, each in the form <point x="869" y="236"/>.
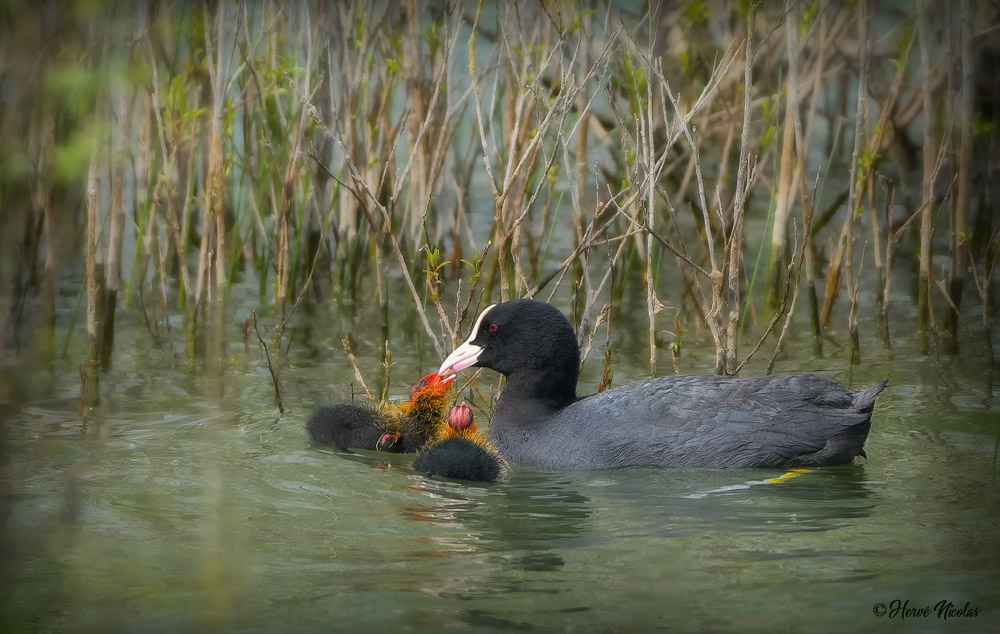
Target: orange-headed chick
<point x="393" y="427"/>
<point x="461" y="425"/>
<point x="463" y="453"/>
<point x="419" y="420"/>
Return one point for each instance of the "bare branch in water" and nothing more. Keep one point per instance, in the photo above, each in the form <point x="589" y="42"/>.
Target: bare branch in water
<point x="270" y="368"/>
<point x="357" y="371"/>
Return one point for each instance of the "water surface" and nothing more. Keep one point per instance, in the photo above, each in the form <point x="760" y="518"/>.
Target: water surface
<point x="183" y="504"/>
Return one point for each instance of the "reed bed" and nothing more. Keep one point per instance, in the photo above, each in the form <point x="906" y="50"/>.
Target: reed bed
<point x="482" y="152"/>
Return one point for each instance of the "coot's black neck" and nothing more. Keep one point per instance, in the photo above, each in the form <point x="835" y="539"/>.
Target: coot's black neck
<point x="551" y="390"/>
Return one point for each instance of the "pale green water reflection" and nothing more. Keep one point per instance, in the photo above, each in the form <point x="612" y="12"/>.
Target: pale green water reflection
<point x="171" y="510"/>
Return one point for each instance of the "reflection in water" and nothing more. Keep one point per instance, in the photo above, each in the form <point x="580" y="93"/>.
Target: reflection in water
<point x="531" y="532"/>
<point x="526" y="513"/>
<point x="522" y="520"/>
<point x="169" y="511"/>
<point x="532" y="510"/>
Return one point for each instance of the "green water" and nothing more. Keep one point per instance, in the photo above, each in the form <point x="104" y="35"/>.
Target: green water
<point x="185" y="504"/>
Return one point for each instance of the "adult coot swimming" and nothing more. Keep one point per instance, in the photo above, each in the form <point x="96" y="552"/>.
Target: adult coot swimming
<point x="789" y="420"/>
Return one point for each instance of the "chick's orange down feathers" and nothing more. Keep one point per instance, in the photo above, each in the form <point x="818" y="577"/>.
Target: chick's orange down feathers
<point x="391" y="427"/>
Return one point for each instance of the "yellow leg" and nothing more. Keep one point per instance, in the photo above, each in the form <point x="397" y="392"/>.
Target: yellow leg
<point x="788" y="475"/>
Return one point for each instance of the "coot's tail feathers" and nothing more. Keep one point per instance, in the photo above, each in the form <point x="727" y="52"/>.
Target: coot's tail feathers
<point x="864" y="401"/>
<point x="459" y="459"/>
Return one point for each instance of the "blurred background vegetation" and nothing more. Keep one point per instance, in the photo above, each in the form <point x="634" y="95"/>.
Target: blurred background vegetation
<point x="730" y="167"/>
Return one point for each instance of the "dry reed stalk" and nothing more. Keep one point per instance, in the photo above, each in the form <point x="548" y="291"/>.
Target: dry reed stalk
<point x="91" y="388"/>
<point x="807" y="213"/>
<point x="94" y="262"/>
<point x="826" y="37"/>
<point x="648" y="154"/>
<point x="892" y="236"/>
<point x="345" y="62"/>
<point x="713" y="316"/>
<point x="609" y="276"/>
<point x="927" y="183"/>
<point x="607" y="376"/>
<point x="592" y="237"/>
<point x="779" y="311"/>
<point x="854" y="290"/>
<point x="379" y="214"/>
<point x="869" y="151"/>
<point x="53" y="232"/>
<point x="369" y="204"/>
<point x="354" y="364"/>
<point x="463" y="312"/>
<point x="517" y="117"/>
<point x="528" y="120"/>
<point x="116" y="225"/>
<point x="426" y="78"/>
<point x="164" y="178"/>
<point x="579" y="171"/>
<point x="526" y="150"/>
<point x="801" y="144"/>
<point x="270" y="368"/>
<point x="858" y="173"/>
<point x="744" y="179"/>
<point x="881" y="266"/>
<point x="222" y="76"/>
<point x="584" y="242"/>
<point x="983" y="287"/>
<point x="167" y="185"/>
<point x="791" y="165"/>
<point x="960" y="210"/>
<point x="785" y="195"/>
<point x="283" y="217"/>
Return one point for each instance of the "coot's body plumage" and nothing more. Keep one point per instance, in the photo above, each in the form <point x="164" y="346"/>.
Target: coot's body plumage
<point x="777" y="421"/>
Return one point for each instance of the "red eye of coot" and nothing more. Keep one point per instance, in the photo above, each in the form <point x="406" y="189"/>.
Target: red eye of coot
<point x="493" y="327"/>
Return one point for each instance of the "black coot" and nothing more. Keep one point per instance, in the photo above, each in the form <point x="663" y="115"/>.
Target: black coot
<point x="790" y="420"/>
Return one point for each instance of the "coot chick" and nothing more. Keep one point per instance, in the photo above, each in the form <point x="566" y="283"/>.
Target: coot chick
<point x="463" y="453"/>
<point x="401" y="428"/>
<point x="791" y="420"/>
<point x="461" y="424"/>
<point x="459" y="459"/>
<point x="348" y="425"/>
<point x="421" y="419"/>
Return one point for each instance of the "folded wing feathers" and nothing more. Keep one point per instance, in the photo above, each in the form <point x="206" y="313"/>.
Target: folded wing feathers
<point x="750" y="426"/>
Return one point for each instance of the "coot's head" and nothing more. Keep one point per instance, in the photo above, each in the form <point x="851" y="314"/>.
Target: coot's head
<point x="529" y="342"/>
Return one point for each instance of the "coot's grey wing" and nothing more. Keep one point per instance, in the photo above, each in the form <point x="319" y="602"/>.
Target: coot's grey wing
<point x="784" y="420"/>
